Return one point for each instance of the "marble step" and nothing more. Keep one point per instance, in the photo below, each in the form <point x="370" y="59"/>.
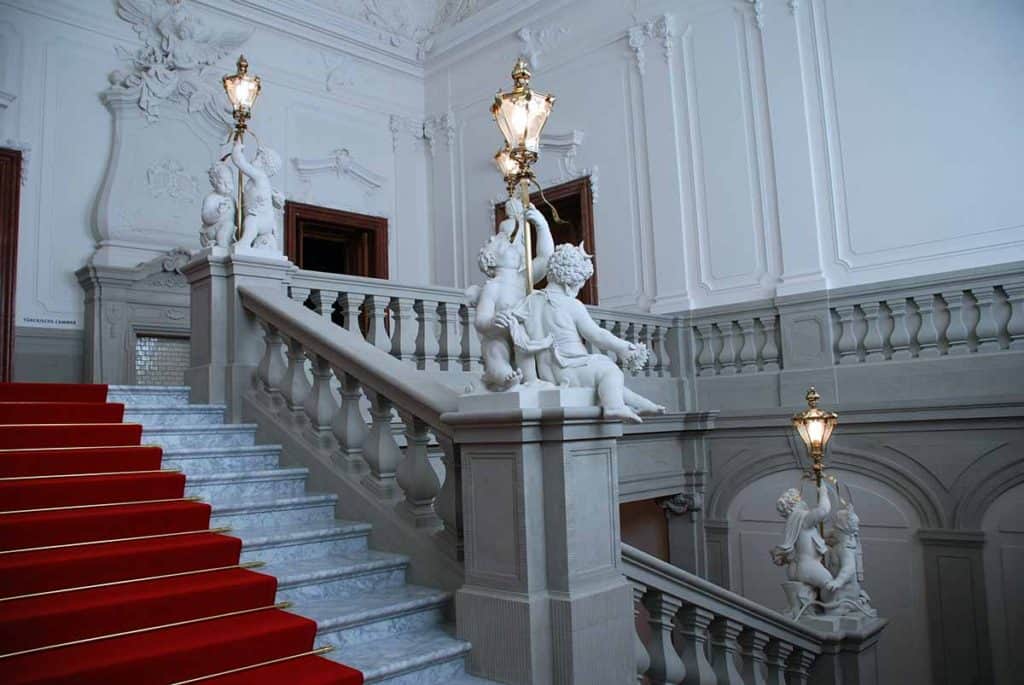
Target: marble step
<point x="201" y="437"/>
<point x="302" y="541"/>
<point x="423" y="657"/>
<point x="246" y="486"/>
<point x="339" y="576"/>
<point x="188" y="415"/>
<point x="288" y="511"/>
<point x="149" y="395"/>
<point x="472" y="680"/>
<point x="198" y="462"/>
<point x="348" y="621"/>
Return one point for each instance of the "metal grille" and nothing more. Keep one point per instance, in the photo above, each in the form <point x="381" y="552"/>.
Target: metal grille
<point x="161" y="360"/>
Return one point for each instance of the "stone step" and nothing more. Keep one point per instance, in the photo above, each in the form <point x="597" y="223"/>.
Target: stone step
<point x="348" y="621"/>
<point x="303" y="541"/>
<point x="148" y="395"/>
<point x="188" y="415"/>
<point x="423" y="657"/>
<point x="289" y="511"/>
<point x="246" y="486"/>
<point x="198" y="462"/>
<point x="201" y="437"/>
<point x="339" y="576"/>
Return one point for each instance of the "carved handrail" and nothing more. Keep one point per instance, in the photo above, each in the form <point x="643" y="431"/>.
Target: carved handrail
<point x="377" y="371"/>
<point x="701" y="632"/>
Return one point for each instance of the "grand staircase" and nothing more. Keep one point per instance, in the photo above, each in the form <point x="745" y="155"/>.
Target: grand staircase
<point x="362" y="606"/>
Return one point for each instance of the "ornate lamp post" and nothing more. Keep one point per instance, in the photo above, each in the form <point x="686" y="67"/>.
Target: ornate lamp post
<point x="521" y="114"/>
<point x="815" y="428"/>
<point x="242" y="91"/>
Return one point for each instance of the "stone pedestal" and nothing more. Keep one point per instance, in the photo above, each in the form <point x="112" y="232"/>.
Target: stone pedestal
<point x="851" y="656"/>
<point x="227" y="342"/>
<point x="544" y="599"/>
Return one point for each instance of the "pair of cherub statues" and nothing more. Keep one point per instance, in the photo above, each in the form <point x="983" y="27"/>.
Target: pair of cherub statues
<point x="825" y="570"/>
<point x="260" y="202"/>
<point x="541" y="338"/>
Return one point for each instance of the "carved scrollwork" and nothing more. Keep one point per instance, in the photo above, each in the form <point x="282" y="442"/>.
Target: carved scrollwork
<point x="682" y="503"/>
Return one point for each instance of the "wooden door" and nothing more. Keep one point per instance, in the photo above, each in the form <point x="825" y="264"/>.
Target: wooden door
<point x="10" y="192"/>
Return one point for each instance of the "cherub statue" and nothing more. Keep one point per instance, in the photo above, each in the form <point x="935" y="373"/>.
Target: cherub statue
<point x="844" y="594"/>
<point x="219" y="208"/>
<point x="551" y="325"/>
<point x="259" y="200"/>
<point x="803" y="547"/>
<point x="503" y="260"/>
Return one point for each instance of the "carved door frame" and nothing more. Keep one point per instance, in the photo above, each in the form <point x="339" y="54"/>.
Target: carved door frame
<point x="10" y="196"/>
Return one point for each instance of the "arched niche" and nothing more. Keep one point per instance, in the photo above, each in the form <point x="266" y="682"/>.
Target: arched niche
<point x="894" y="575"/>
<point x="1003" y="524"/>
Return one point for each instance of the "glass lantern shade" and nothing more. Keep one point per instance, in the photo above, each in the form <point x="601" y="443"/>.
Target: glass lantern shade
<point x="814" y="425"/>
<point x="242" y="89"/>
<point x="521" y="117"/>
<point x="507" y="167"/>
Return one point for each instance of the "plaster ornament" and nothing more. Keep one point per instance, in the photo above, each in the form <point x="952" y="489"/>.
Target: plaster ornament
<point x="177" y="48"/>
<point x="824" y="577"/>
<point x="549" y="327"/>
<point x="218" y="211"/>
<point x="503" y="260"/>
<point x="259" y="199"/>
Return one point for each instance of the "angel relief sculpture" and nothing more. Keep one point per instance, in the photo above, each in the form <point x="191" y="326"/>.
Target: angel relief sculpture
<point x="825" y="572"/>
<point x="541" y="340"/>
<point x="177" y="49"/>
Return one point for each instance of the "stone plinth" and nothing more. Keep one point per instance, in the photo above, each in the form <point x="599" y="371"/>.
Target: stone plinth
<point x="544" y="599"/>
<point x="850" y="655"/>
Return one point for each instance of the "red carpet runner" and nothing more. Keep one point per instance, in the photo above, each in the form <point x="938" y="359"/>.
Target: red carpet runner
<point x="110" y="576"/>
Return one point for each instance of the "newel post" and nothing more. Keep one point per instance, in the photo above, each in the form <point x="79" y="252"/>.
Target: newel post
<point x="227" y="341"/>
<point x="544" y="600"/>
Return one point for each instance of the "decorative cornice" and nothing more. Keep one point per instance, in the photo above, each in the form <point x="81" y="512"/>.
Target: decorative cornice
<point x="535" y="42"/>
<point x="339" y="163"/>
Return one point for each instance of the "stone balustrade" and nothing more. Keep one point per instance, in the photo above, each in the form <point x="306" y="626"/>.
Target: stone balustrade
<point x="432" y="326"/>
<point x="305" y="355"/>
<point x="740" y="341"/>
<point x="703" y="634"/>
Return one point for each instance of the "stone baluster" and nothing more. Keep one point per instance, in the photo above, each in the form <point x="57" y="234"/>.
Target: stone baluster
<point x="380" y="450"/>
<point x="776" y="657"/>
<point x="1015" y="324"/>
<point x="350" y="307"/>
<point x="272" y="367"/>
<point x="349" y="426"/>
<point x="1001" y="313"/>
<point x="666" y="666"/>
<point x="717" y="342"/>
<point x="770" y="352"/>
<point x="725" y="651"/>
<point x="618" y="329"/>
<point x="324" y="303"/>
<point x="295" y="384"/>
<point x="986" y="332"/>
<point x="692" y="631"/>
<point x="449" y="499"/>
<point x="798" y="668"/>
<point x="705" y="360"/>
<point x="846" y="343"/>
<point x="929" y="333"/>
<point x="900" y="337"/>
<point x="376" y="308"/>
<point x="643" y="659"/>
<point x="470" y="353"/>
<point x="728" y="355"/>
<point x="427" y="346"/>
<point x="752" y="644"/>
<point x="320" y="406"/>
<point x="300" y="295"/>
<point x="416" y="477"/>
<point x="647" y="338"/>
<point x="748" y="359"/>
<point x="403" y="329"/>
<point x="874" y="342"/>
<point x="957" y="333"/>
<point x="450" y="348"/>
<point x="658" y="342"/>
